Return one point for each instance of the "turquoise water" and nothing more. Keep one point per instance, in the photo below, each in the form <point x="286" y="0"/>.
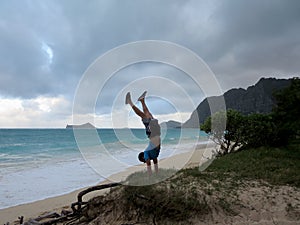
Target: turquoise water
<point x="48" y="162"/>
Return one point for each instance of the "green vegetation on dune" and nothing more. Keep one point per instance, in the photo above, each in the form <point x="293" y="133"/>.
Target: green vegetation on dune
<point x="278" y="166"/>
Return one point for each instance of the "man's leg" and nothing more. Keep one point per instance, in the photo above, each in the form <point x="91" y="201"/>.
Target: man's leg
<point x="155" y="161"/>
<point x="145" y="109"/>
<point x="138" y="111"/>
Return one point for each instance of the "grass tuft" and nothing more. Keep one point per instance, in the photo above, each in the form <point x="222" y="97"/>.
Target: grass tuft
<point x="278" y="166"/>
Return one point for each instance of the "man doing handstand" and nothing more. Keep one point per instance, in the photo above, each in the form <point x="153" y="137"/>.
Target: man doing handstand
<point x="152" y="131"/>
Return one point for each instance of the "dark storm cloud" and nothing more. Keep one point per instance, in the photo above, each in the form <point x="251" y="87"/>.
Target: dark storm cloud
<point x="77" y="32"/>
<point x="24" y="63"/>
<point x="240" y="40"/>
<point x="254" y="39"/>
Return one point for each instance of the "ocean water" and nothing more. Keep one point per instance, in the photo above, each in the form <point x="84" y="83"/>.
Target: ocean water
<point x="39" y="163"/>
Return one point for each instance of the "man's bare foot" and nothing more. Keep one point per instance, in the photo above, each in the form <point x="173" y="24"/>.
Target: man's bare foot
<point x="142" y="96"/>
<point x="128" y="99"/>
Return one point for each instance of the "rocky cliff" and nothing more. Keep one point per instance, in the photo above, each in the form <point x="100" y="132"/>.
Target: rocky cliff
<point x="255" y="99"/>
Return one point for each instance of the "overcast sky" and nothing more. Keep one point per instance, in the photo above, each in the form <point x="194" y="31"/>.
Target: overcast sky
<point x="46" y="46"/>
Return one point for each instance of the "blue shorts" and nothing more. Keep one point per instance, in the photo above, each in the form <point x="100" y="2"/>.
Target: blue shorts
<point x="151" y="152"/>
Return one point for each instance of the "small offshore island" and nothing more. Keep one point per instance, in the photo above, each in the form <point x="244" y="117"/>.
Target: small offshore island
<point x="82" y="126"/>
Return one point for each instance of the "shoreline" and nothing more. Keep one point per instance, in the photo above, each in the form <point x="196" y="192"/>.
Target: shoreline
<point x="52" y="204"/>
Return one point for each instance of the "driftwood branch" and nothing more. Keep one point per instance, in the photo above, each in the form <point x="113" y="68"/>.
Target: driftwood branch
<point x="69" y="216"/>
<point x="95" y="188"/>
<point x="79" y="202"/>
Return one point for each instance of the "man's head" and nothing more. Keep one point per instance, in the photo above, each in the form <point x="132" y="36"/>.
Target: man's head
<point x="141" y="157"/>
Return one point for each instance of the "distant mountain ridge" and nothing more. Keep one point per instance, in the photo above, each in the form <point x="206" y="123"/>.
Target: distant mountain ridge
<point x="171" y="124"/>
<point x="255" y="99"/>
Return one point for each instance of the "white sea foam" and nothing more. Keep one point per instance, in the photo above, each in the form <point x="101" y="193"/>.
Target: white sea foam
<point x="42" y="182"/>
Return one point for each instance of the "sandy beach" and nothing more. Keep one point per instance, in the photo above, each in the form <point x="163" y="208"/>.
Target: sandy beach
<point x="56" y="204"/>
